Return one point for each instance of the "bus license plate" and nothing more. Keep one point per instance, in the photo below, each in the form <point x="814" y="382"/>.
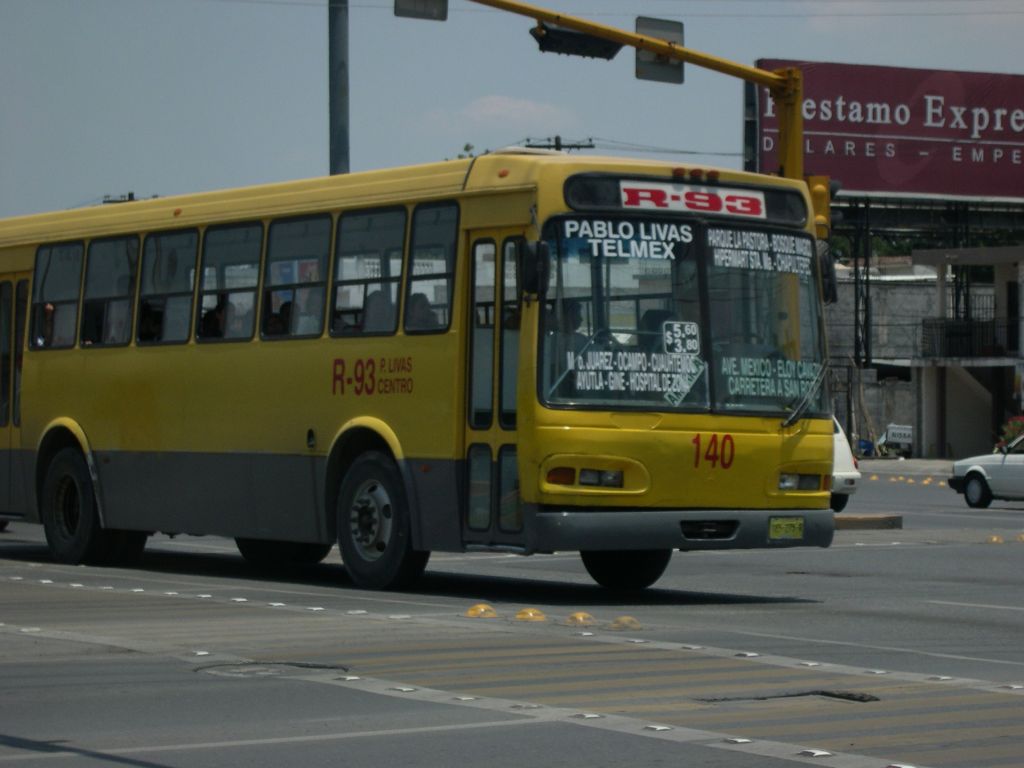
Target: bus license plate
<point x="785" y="528"/>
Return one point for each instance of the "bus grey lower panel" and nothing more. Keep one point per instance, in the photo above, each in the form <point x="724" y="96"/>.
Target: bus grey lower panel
<point x="573" y="529"/>
<point x="252" y="495"/>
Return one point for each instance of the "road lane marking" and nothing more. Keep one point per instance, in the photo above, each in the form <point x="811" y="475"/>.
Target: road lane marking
<point x="978" y="605"/>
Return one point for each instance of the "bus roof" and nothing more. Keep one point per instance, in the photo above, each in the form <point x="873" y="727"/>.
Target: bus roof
<point x="503" y="170"/>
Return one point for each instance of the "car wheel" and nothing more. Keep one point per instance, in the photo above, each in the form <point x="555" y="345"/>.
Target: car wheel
<point x="976" y="492"/>
<point x="839" y="501"/>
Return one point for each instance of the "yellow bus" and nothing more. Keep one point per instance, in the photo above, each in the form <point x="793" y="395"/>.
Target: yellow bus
<point x="522" y="352"/>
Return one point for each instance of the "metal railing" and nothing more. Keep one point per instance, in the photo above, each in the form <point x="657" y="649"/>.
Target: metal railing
<point x="942" y="337"/>
<point x="930" y="338"/>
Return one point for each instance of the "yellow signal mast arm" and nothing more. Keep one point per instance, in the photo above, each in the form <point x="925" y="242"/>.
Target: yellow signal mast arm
<point x="785" y="85"/>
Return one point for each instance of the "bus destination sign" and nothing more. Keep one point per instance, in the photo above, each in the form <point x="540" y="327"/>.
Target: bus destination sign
<point x="721" y="201"/>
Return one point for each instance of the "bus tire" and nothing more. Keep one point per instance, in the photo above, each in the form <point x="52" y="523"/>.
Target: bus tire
<point x="270" y="554"/>
<point x="374" y="529"/>
<point x="626" y="569"/>
<point x="69" y="514"/>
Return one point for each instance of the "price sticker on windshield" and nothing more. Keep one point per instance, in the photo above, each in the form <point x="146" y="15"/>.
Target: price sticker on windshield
<point x="681" y="338"/>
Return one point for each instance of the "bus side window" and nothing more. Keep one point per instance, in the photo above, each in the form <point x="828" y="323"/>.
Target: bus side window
<point x="109" y="286"/>
<point x="432" y="263"/>
<point x="367" y="273"/>
<point x="55" y="286"/>
<point x="168" y="276"/>
<point x="295" y="276"/>
<point x="230" y="271"/>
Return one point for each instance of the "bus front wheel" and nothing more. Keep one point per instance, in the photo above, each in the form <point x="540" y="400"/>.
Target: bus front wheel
<point x="626" y="569"/>
<point x="374" y="529"/>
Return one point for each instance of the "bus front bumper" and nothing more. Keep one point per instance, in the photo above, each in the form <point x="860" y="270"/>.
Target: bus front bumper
<point x="682" y="529"/>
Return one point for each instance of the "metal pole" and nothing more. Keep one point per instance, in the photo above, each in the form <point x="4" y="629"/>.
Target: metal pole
<point x="337" y="84"/>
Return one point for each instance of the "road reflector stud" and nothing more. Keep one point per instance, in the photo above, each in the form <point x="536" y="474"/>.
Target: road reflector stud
<point x="747" y="655"/>
<point x="926" y="481"/>
<point x="1020" y="537"/>
<point x="873" y="477"/>
<point x="531" y="614"/>
<point x="481" y="611"/>
<point x="625" y="622"/>
<point x="657" y="728"/>
<point x="995" y="539"/>
<point x="814" y="753"/>
<point x="738" y="741"/>
<point x="580" y="619"/>
<point x="588" y="716"/>
<point x="910" y="481"/>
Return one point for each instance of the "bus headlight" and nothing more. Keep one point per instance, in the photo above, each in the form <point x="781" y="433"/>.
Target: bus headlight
<point x="603" y="478"/>
<point x="795" y="482"/>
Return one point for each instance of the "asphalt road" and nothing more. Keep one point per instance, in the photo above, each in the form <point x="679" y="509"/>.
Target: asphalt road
<point x="893" y="647"/>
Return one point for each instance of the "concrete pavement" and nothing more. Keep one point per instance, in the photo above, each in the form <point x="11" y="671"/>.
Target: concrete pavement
<point x="938" y="468"/>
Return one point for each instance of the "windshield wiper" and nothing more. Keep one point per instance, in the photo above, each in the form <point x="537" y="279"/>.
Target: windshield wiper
<point x="805" y="401"/>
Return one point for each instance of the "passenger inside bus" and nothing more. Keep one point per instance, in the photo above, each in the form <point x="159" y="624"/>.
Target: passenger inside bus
<point x="651" y="332"/>
<point x="378" y="313"/>
<point x="212" y="326"/>
<point x="418" y="314"/>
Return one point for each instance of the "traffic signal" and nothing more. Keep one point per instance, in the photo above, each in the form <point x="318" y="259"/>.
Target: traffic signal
<point x="554" y="39"/>
<point x="820" y="188"/>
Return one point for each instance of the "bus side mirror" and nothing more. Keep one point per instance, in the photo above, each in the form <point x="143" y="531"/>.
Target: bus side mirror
<point x="533" y="265"/>
<point x="827" y="267"/>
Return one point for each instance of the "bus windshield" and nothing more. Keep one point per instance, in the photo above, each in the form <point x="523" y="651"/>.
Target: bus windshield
<point x="681" y="315"/>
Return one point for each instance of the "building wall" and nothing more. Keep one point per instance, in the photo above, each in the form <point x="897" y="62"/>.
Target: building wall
<point x="898" y="307"/>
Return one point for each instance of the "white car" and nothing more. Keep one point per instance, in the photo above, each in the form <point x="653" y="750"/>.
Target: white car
<point x="845" y="472"/>
<point x="998" y="475"/>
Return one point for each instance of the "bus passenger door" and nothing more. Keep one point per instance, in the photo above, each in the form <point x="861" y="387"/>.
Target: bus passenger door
<point x="13" y="304"/>
<point x="491" y="514"/>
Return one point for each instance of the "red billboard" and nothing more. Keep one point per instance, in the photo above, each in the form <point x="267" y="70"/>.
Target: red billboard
<point x="902" y="131"/>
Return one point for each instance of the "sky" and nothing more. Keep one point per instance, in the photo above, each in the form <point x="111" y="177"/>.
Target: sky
<point x="161" y="97"/>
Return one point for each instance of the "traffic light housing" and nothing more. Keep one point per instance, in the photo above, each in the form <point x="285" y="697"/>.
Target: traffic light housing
<point x="821" y="204"/>
<point x="554" y="39"/>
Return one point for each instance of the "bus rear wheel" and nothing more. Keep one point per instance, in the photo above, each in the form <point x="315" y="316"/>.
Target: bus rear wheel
<point x="269" y="554"/>
<point x="374" y="529"/>
<point x="70" y="517"/>
<point x="626" y="569"/>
